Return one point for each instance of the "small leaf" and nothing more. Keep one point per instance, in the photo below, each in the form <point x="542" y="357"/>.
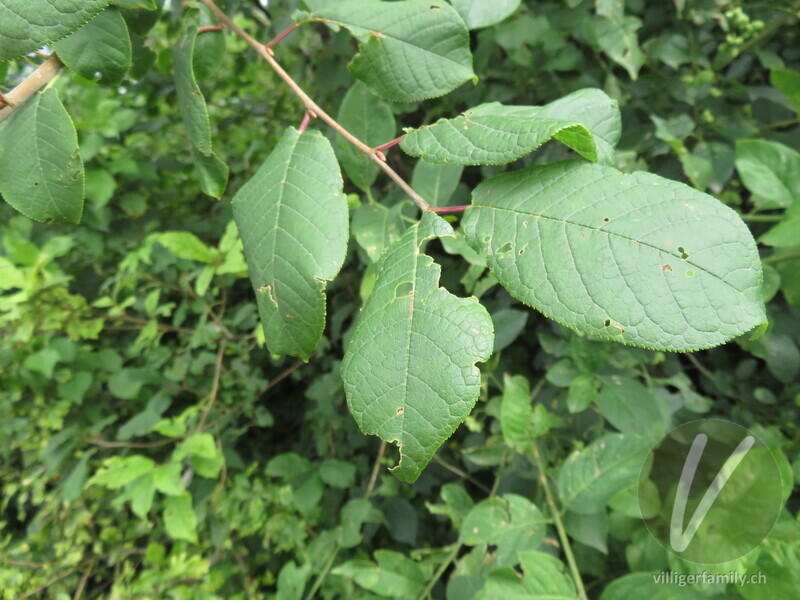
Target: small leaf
<point x="292" y="217"/>
<point x="520" y="421"/>
<point x="409" y="371"/>
<point x="408" y="51"/>
<point x="587" y="121"/>
<point x="179" y="518"/>
<point x="435" y="183"/>
<point x="41" y="174"/>
<point x="484" y="13"/>
<point x="394" y="576"/>
<point x="187" y="245"/>
<point x="212" y="171"/>
<point x="633" y="258"/>
<point x="369" y="119"/>
<point x="631" y="407"/>
<point x="27" y="25"/>
<point x="377" y="227"/>
<point x="118" y="471"/>
<point x="589" y="477"/>
<point x="769" y="170"/>
<point x="167" y="479"/>
<point x="102" y="46"/>
<point x="788" y="83"/>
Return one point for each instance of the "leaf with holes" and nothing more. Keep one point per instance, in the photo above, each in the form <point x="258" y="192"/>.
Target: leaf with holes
<point x="409" y="50"/>
<point x="293" y="220"/>
<point x="634" y="258"/>
<point x="409" y="371"/>
<point x="41" y="171"/>
<point x="587" y="121"/>
<point x="100" y="49"/>
<point x="212" y="172"/>
<point x="27" y="25"/>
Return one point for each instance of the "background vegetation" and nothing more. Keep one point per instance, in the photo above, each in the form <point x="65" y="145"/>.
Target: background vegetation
<point x="132" y="367"/>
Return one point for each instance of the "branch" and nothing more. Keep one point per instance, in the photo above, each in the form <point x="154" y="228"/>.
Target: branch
<point x="30" y="85"/>
<point x="313" y="107"/>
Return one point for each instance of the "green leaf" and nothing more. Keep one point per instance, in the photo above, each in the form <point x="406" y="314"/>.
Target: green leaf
<point x="118" y="471"/>
<point x="292" y="217"/>
<point x="102" y="46"/>
<point x="617" y="38"/>
<point x="377" y="227"/>
<point x="642" y="585"/>
<point x="395" y="576"/>
<point x="788" y="83"/>
<point x="179" y="518"/>
<point x="187" y="245"/>
<point x="520" y="422"/>
<point x="545" y="579"/>
<point x="369" y="119"/>
<point x="435" y="183"/>
<point x="409" y="371"/>
<point x="631" y="407"/>
<point x="408" y="51"/>
<point x="211" y="170"/>
<point x="587" y="121"/>
<point x="589" y="477"/>
<point x="41" y="174"/>
<point x="634" y="258"/>
<point x="167" y="479"/>
<point x="484" y="13"/>
<point x="30" y="24"/>
<point x="769" y="170"/>
<point x="140" y="492"/>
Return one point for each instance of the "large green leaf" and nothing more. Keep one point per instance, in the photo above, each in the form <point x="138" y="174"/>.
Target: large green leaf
<point x="633" y="258"/>
<point x="769" y="170"/>
<point x="292" y="218"/>
<point x="101" y="49"/>
<point x="589" y="477"/>
<point x="587" y="121"/>
<point x="545" y="579"/>
<point x="26" y="25"/>
<point x="41" y="173"/>
<point x="410" y="50"/>
<point x="409" y="371"/>
<point x="369" y="119"/>
<point x="483" y="13"/>
<point x="212" y="172"/>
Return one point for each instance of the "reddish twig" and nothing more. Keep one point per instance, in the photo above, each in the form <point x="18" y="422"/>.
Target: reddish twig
<point x="266" y="54"/>
<point x="306" y="120"/>
<point x="280" y="36"/>
<point x="210" y="28"/>
<point x="447" y="210"/>
<point x="388" y="145"/>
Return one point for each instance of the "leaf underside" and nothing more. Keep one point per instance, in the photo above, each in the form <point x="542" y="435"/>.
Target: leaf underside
<point x="634" y="258"/>
<point x="408" y="51"/>
<point x="293" y="220"/>
<point x="27" y="25"/>
<point x="409" y="371"/>
<point x="41" y="171"/>
<point x="587" y="121"/>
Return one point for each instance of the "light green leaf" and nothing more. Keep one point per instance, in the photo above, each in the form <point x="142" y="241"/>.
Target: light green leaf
<point x="409" y="371"/>
<point x="187" y="245"/>
<point x="292" y="217"/>
<point x="102" y="46"/>
<point x="587" y="121"/>
<point x="769" y="170"/>
<point x="212" y="171"/>
<point x="634" y="258"/>
<point x="199" y="444"/>
<point x="408" y="51"/>
<point x="784" y="235"/>
<point x="589" y="477"/>
<point x="167" y="479"/>
<point x="617" y="38"/>
<point x="140" y="492"/>
<point x="435" y="183"/>
<point x="519" y="421"/>
<point x="179" y="518"/>
<point x="369" y="119"/>
<point x="484" y="13"/>
<point x="41" y="173"/>
<point x="27" y="25"/>
<point x="395" y="576"/>
<point x="545" y="579"/>
<point x="118" y="471"/>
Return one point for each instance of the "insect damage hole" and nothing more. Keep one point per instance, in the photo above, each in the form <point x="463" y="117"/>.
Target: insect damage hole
<point x="684" y="254"/>
<point x="404" y="289"/>
<point x="400" y="411"/>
